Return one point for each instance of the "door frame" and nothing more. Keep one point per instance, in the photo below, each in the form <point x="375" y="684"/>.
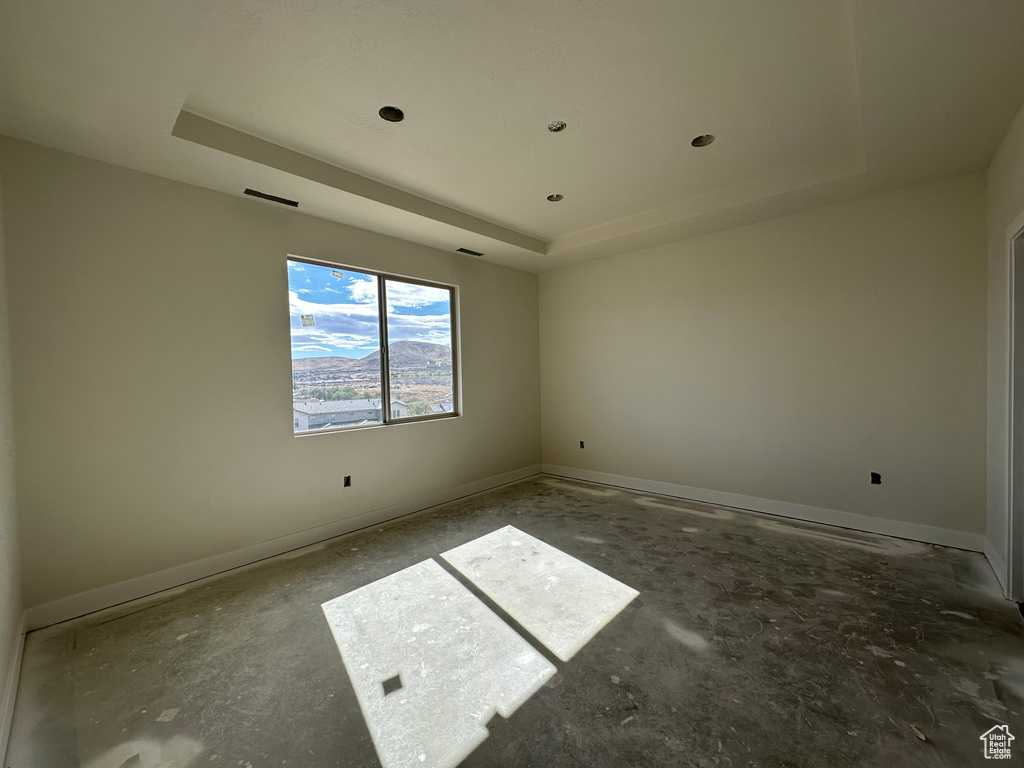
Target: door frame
<point x="1014" y="575"/>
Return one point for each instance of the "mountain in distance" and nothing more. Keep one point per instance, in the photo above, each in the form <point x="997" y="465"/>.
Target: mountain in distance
<point x="405" y="355"/>
<point x="413" y="356"/>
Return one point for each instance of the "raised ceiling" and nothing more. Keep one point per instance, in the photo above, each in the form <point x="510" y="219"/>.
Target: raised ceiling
<point x="810" y="102"/>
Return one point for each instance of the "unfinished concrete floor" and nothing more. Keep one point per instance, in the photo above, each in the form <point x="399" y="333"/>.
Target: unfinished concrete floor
<point x="754" y="641"/>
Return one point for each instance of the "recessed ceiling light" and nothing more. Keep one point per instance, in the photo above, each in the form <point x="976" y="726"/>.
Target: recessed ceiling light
<point x="702" y="141"/>
<point x="556" y="126"/>
<point x="554" y="198"/>
<point x="392" y="114"/>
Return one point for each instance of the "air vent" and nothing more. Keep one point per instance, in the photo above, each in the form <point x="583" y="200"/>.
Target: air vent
<point x="272" y="198"/>
<point x="466" y="250"/>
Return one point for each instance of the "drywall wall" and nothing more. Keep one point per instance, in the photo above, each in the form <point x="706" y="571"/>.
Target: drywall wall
<point x="10" y="563"/>
<point x="152" y="374"/>
<point x="1005" y="205"/>
<point x="786" y="360"/>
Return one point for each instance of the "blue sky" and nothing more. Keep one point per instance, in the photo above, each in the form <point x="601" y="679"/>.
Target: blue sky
<point x="343" y="304"/>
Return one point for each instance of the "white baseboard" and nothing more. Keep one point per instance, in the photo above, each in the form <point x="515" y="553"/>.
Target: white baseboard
<point x="914" y="531"/>
<point x="11" y="689"/>
<point x="114" y="594"/>
<point x="998" y="563"/>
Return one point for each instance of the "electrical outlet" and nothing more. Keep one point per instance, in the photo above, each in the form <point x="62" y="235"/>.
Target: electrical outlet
<point x="581" y="444"/>
<point x="348" y="480"/>
<point x="876" y="479"/>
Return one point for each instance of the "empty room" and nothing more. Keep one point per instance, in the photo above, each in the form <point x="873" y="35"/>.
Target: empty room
<point x="655" y="377"/>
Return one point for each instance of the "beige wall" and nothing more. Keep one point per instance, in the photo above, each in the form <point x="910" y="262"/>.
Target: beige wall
<point x="152" y="379"/>
<point x="786" y="360"/>
<point x="1005" y="207"/>
<point x="10" y="581"/>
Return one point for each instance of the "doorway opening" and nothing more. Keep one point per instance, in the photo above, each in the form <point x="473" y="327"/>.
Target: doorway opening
<point x="1015" y="516"/>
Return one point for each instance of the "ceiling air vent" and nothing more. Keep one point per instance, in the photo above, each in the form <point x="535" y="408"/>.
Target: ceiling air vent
<point x="272" y="198"/>
<point x="466" y="250"/>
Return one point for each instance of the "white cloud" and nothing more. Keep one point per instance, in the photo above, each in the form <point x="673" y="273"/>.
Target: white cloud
<point x="311" y="348"/>
<point x="363" y="290"/>
<point x="355" y="326"/>
<point x="332" y="340"/>
<point x="338" y="326"/>
<point x="435" y="329"/>
<point x="412" y="295"/>
<point x="293" y="265"/>
<point x="302" y="307"/>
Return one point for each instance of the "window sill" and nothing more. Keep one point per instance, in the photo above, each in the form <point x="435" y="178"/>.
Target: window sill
<point x="361" y="427"/>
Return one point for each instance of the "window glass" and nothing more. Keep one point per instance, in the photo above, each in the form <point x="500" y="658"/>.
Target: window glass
<point x="336" y="369"/>
<point x="338" y="376"/>
<point x="419" y="325"/>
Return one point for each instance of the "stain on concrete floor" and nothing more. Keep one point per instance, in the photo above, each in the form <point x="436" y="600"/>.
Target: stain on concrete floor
<point x="755" y="641"/>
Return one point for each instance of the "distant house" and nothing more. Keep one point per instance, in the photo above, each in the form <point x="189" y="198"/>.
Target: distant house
<point x="445" y="406"/>
<point x="320" y="414"/>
